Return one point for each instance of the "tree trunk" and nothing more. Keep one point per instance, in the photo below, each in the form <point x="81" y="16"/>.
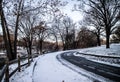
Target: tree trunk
<point x="28" y="51"/>
<point x="107" y="41"/>
<point x="40" y="45"/>
<point x="98" y="40"/>
<point x="15" y="38"/>
<point x="9" y="42"/>
<point x="107" y="38"/>
<point x="5" y="33"/>
<point x="56" y="43"/>
<point x="30" y="48"/>
<point x="63" y="43"/>
<point x="64" y="47"/>
<point x="16" y="30"/>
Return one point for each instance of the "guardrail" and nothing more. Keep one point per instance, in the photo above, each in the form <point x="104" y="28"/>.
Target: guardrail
<point x="5" y="69"/>
<point x="105" y="56"/>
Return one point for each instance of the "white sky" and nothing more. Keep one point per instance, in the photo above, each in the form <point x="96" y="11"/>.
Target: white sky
<point x="75" y="15"/>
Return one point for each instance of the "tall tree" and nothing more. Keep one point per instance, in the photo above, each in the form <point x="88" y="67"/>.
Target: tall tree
<point x="18" y="12"/>
<point x="58" y="26"/>
<point x="53" y="34"/>
<point x="107" y="11"/>
<point x="11" y="12"/>
<point x="17" y="9"/>
<point x="55" y="20"/>
<point x="41" y="32"/>
<point x="97" y="25"/>
<point x="6" y="35"/>
<point x="69" y="28"/>
<point x="26" y="29"/>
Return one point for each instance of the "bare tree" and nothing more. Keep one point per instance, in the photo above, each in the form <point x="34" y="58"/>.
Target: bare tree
<point x="6" y="33"/>
<point x="96" y="23"/>
<point x="107" y="11"/>
<point x="56" y="28"/>
<point x="69" y="28"/>
<point x="64" y="27"/>
<point x="53" y="34"/>
<point x="86" y="38"/>
<point x="11" y="12"/>
<point x="17" y="11"/>
<point x="27" y="24"/>
<point x="41" y="32"/>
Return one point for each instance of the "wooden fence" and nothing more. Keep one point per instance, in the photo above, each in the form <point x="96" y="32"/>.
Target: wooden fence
<point x="5" y="70"/>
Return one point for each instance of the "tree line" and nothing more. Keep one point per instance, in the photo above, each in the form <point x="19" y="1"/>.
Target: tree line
<point x="33" y="21"/>
<point x="104" y="16"/>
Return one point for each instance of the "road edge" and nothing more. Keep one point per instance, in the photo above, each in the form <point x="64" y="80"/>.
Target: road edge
<point x="81" y="71"/>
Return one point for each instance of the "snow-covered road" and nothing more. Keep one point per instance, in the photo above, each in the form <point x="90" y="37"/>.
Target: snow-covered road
<point x="49" y="69"/>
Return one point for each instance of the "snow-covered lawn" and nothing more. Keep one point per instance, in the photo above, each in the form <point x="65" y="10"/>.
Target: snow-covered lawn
<point x="24" y="76"/>
<point x="114" y="50"/>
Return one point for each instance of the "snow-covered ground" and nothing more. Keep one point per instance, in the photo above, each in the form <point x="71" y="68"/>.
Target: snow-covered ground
<point x="47" y="68"/>
<point x="113" y="51"/>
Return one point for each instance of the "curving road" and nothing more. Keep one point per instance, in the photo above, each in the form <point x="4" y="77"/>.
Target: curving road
<point x="107" y="71"/>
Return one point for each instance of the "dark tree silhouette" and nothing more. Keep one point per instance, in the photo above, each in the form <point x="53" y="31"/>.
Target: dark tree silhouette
<point x="107" y="11"/>
<point x="91" y="20"/>
<point x="41" y="33"/>
<point x="86" y="38"/>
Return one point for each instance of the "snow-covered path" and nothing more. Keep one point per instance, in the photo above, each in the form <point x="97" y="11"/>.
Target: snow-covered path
<point x="49" y="69"/>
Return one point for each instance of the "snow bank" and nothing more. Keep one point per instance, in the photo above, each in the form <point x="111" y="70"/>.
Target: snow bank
<point x="114" y="50"/>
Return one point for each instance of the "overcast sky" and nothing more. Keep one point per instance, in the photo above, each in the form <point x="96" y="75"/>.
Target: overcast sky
<point x="75" y="15"/>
